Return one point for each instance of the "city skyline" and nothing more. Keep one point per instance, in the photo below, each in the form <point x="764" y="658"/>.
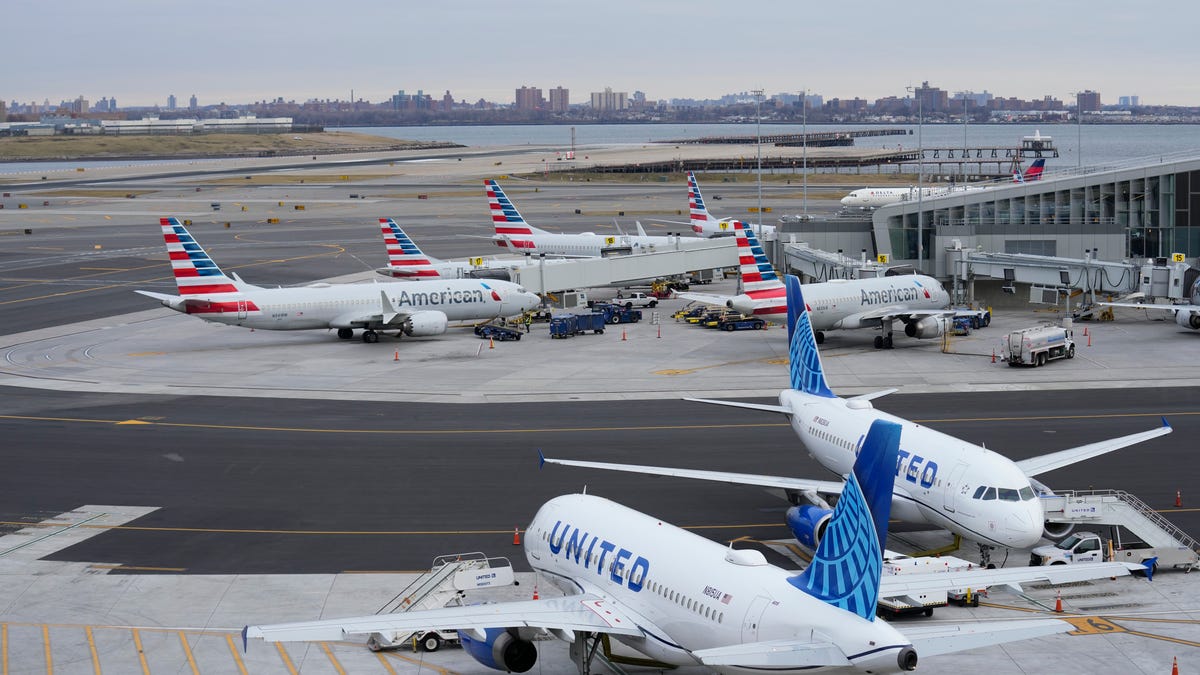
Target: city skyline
<point x="223" y="51"/>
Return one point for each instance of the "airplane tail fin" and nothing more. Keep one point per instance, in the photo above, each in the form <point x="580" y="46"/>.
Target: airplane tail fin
<point x="806" y="372"/>
<point x="1034" y="172"/>
<point x="507" y="220"/>
<point x="699" y="213"/>
<point x="848" y="565"/>
<point x="405" y="258"/>
<point x="195" y="273"/>
<point x="759" y="280"/>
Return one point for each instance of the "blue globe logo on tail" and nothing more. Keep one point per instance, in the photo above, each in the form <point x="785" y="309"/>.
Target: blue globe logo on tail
<point x="804" y="359"/>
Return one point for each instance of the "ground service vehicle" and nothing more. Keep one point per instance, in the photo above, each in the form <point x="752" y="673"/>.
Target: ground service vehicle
<point x="741" y="322"/>
<point x="501" y="333"/>
<point x="616" y="314"/>
<point x="636" y="299"/>
<point x="1037" y="345"/>
<point x="567" y="325"/>
<point x="1084" y="547"/>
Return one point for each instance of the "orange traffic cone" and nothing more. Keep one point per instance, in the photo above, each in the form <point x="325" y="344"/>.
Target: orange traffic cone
<point x="397" y="357"/>
<point x="993" y="354"/>
<point x="1174" y="665"/>
<point x="516" y="536"/>
<point x="1085" y="331"/>
<point x="491" y="343"/>
<point x="1178" y="498"/>
<point x="622" y="335"/>
<point x="1058" y="602"/>
<point x="535" y="593"/>
<point x="660" y="331"/>
<point x="1089" y="340"/>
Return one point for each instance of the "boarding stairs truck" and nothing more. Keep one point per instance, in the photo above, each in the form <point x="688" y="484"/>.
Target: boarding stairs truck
<point x="446" y="583"/>
<point x="1037" y="345"/>
<point x="1138" y="533"/>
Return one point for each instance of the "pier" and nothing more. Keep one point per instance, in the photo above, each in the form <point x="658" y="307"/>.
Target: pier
<point x="820" y="139"/>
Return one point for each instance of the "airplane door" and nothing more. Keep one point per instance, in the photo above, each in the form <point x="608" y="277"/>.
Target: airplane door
<point x="952" y="488"/>
<point x="241" y="309"/>
<point x="753" y="617"/>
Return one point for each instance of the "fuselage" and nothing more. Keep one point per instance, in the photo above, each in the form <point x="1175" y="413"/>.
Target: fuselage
<point x="875" y="197"/>
<point x="686" y="592"/>
<point x="835" y="304"/>
<point x="591" y="245"/>
<point x="940" y="479"/>
<point x="344" y="305"/>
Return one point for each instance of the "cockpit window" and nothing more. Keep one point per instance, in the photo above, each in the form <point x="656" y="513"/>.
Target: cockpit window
<point x="1027" y="493"/>
<point x="1009" y="495"/>
<point x="990" y="494"/>
<point x="979" y="492"/>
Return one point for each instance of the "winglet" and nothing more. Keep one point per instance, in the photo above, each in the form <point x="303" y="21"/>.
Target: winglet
<point x="848" y="565"/>
<point x="1166" y="423"/>
<point x="541" y="459"/>
<point x="806" y="372"/>
<point x="1150" y="564"/>
<point x="244" y="639"/>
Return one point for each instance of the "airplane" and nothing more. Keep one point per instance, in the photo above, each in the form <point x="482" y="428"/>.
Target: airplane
<point x="705" y="225"/>
<point x="870" y="197"/>
<point x="514" y="233"/>
<point x="917" y="301"/>
<point x="406" y="260"/>
<point x="683" y="600"/>
<point x="417" y="308"/>
<point x="1187" y="316"/>
<point x="941" y="480"/>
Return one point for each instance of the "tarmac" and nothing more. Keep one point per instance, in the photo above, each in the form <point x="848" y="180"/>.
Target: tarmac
<point x="58" y="617"/>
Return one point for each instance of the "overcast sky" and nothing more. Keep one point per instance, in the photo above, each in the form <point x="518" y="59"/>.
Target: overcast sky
<point x="139" y="51"/>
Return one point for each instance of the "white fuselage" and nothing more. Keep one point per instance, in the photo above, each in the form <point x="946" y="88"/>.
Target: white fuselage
<point x="875" y="197"/>
<point x="346" y="305"/>
<point x="682" y="590"/>
<point x="937" y="476"/>
<point x="592" y="245"/>
<point x="838" y="303"/>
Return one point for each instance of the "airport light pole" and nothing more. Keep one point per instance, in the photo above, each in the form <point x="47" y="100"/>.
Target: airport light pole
<point x="758" y="94"/>
<point x="1078" y="131"/>
<point x="920" y="177"/>
<point x="804" y="146"/>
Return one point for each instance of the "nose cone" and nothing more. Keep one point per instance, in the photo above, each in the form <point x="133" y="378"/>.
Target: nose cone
<point x="529" y="300"/>
<point x="847" y="200"/>
<point x="1023" y="526"/>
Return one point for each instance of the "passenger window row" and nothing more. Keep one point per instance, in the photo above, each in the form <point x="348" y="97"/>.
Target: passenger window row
<point x="687" y="603"/>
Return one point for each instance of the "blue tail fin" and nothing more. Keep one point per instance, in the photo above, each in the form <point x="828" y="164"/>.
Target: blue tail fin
<point x="804" y="359"/>
<point x="848" y="565"/>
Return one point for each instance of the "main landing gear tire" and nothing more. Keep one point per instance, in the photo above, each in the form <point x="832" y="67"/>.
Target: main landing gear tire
<point x="345" y="333"/>
<point x="878" y="342"/>
<point x="370" y="337"/>
<point x="431" y="642"/>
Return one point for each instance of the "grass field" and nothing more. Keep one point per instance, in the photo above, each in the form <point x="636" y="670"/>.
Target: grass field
<point x="32" y="148"/>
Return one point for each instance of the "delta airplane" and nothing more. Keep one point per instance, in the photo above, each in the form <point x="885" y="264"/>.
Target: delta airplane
<point x="683" y="600"/>
<point x="870" y="197"/>
<point x="414" y="308"/>
<point x="941" y="480"/>
<point x="514" y="233"/>
<point x="705" y="225"/>
<point x="917" y="301"/>
<point x="1187" y="316"/>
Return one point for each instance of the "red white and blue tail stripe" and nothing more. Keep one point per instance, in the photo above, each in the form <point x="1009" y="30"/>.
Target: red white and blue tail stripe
<point x="198" y="278"/>
<point x="405" y="258"/>
<point x="699" y="213"/>
<point x="759" y="280"/>
<point x="510" y="226"/>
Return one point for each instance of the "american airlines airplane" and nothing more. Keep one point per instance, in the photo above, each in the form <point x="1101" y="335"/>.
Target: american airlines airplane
<point x="705" y="225"/>
<point x="407" y="261"/>
<point x="683" y="600"/>
<point x="917" y="301"/>
<point x="874" y="197"/>
<point x="514" y="233"/>
<point x="941" y="480"/>
<point x="413" y="308"/>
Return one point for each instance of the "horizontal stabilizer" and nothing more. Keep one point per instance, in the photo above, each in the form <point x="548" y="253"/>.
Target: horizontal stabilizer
<point x="1057" y="460"/>
<point x="706" y="298"/>
<point x="775" y="654"/>
<point x="934" y="640"/>
<point x="778" y="482"/>
<point x="873" y="395"/>
<point x="737" y="404"/>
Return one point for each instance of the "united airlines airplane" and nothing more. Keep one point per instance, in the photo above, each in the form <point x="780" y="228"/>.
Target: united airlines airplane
<point x="682" y="600"/>
<point x="514" y="233"/>
<point x="414" y="308"/>
<point x="941" y="480"/>
<point x="916" y="301"/>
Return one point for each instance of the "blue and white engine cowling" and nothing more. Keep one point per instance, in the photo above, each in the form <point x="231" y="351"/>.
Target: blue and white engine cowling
<point x="808" y="524"/>
<point x="501" y="649"/>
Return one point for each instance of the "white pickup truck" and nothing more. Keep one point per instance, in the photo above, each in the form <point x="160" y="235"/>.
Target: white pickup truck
<point x="1084" y="547"/>
<point x="635" y="299"/>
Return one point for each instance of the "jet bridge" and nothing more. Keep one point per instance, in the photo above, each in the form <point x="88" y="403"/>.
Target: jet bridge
<point x="539" y="277"/>
<point x="1046" y="275"/>
<point x="823" y="265"/>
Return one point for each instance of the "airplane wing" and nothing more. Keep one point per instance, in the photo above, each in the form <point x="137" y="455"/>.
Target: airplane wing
<point x="947" y="639"/>
<point x="901" y="585"/>
<point x="894" y="311"/>
<point x="1057" y="460"/>
<point x="926" y="641"/>
<point x="706" y="298"/>
<point x="779" y="482"/>
<point x="575" y="612"/>
<point x="1149" y="305"/>
<point x="756" y="406"/>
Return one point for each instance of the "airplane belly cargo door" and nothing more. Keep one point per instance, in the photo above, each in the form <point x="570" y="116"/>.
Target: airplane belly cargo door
<point x="753" y="617"/>
<point x="952" y="486"/>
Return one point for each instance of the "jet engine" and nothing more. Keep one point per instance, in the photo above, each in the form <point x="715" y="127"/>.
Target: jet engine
<point x="429" y="322"/>
<point x="929" y="327"/>
<point x="1057" y="531"/>
<point x="1188" y="319"/>
<point x="500" y="648"/>
<point x="808" y="523"/>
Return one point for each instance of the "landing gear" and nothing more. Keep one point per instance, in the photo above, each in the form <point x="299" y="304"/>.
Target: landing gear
<point x="370" y="337"/>
<point x="820" y="337"/>
<point x="985" y="556"/>
<point x="345" y="333"/>
<point x="583" y="650"/>
<point x="883" y="341"/>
